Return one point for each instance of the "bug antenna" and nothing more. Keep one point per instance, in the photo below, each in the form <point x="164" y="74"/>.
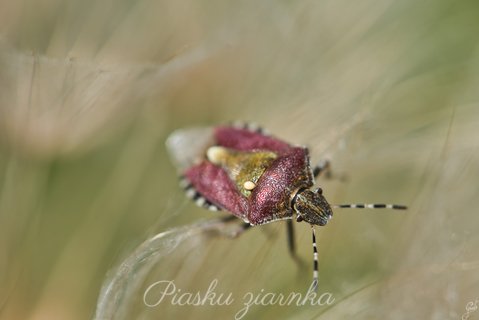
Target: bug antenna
<point x="371" y="206"/>
<point x="315" y="261"/>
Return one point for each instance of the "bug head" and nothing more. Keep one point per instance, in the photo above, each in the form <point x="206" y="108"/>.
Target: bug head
<point x="312" y="207"/>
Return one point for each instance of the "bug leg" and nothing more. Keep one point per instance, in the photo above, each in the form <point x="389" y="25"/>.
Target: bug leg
<point x="291" y="241"/>
<point x="323" y="166"/>
<point x="292" y="244"/>
<point x="237" y="229"/>
<point x="229" y="218"/>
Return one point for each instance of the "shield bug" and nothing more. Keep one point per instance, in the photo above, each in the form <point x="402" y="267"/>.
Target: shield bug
<point x="256" y="177"/>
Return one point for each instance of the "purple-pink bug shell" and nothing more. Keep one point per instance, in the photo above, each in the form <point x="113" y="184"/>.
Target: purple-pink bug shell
<point x="270" y="199"/>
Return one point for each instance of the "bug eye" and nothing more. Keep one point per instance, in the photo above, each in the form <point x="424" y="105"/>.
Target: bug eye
<point x="299" y="219"/>
<point x="319" y="191"/>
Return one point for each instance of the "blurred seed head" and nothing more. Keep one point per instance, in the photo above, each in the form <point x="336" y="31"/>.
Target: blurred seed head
<point x="58" y="106"/>
<point x="52" y="106"/>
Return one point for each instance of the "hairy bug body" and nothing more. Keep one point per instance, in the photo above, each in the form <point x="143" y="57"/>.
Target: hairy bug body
<point x="256" y="177"/>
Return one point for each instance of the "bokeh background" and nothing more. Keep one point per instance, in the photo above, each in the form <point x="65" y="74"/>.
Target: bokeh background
<point x="387" y="90"/>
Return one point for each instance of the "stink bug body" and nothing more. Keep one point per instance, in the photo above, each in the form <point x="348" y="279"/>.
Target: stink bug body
<point x="254" y="176"/>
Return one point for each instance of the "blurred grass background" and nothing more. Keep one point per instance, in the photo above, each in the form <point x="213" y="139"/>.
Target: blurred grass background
<point x="388" y="90"/>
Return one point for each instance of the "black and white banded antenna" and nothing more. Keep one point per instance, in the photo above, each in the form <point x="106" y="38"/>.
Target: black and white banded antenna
<point x="315" y="261"/>
<point x="352" y="206"/>
<point x="370" y="206"/>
